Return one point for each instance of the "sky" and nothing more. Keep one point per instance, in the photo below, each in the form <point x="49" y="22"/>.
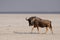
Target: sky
<point x="29" y="5"/>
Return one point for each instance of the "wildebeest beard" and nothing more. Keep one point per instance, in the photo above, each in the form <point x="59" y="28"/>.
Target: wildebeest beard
<point x="30" y="23"/>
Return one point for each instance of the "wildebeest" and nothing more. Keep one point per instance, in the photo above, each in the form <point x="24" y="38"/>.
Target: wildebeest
<point x="37" y="22"/>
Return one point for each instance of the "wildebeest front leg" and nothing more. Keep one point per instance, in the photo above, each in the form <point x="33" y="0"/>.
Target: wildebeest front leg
<point x="32" y="29"/>
<point x="38" y="29"/>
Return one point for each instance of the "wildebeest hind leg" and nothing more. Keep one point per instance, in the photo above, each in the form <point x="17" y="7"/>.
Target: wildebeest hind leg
<point x="46" y="29"/>
<point x="51" y="30"/>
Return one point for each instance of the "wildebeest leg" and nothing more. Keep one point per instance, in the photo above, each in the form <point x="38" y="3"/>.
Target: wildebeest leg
<point x="51" y="29"/>
<point x="32" y="29"/>
<point x="38" y="29"/>
<point x="46" y="29"/>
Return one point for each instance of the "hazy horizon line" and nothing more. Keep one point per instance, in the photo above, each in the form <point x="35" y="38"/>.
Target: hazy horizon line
<point x="30" y="12"/>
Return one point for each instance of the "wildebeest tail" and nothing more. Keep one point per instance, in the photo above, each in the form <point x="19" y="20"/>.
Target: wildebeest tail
<point x="50" y="25"/>
<point x="51" y="28"/>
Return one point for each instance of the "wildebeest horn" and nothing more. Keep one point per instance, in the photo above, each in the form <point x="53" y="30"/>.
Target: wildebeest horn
<point x="26" y="18"/>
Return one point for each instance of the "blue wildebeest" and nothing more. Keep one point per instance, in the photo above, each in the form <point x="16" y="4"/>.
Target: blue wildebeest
<point x="37" y="22"/>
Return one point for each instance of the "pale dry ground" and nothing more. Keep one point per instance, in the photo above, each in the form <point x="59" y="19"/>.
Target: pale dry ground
<point x="15" y="27"/>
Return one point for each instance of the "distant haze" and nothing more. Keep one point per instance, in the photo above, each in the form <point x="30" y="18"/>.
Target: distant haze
<point x="29" y="5"/>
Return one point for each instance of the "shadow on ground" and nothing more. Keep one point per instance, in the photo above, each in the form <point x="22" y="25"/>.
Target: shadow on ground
<point x="25" y="33"/>
<point x="36" y="33"/>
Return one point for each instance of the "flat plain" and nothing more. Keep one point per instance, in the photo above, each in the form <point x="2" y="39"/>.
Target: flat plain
<point x="15" y="27"/>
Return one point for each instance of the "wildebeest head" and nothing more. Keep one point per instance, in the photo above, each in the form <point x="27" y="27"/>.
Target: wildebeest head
<point x="31" y="20"/>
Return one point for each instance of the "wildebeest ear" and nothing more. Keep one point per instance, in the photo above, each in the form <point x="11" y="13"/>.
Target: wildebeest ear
<point x="26" y="18"/>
